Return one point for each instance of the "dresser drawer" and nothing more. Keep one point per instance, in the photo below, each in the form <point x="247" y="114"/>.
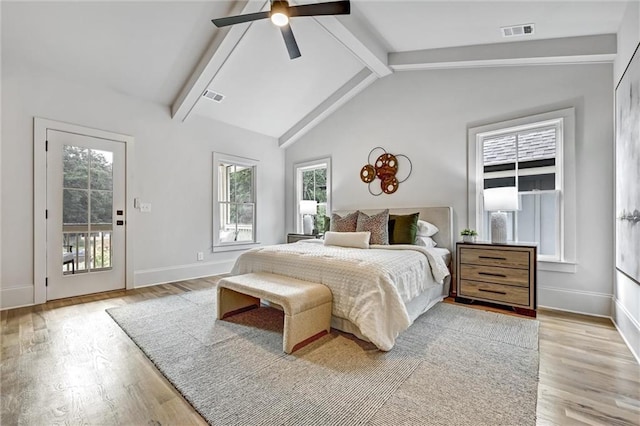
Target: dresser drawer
<point x="495" y="292"/>
<point x="494" y="274"/>
<point x="489" y="257"/>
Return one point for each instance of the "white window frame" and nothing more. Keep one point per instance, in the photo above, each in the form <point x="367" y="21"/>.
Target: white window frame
<point x="298" y="169"/>
<point x="564" y="120"/>
<point x="218" y="158"/>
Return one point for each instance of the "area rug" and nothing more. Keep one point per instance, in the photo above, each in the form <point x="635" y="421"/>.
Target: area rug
<point x="453" y="366"/>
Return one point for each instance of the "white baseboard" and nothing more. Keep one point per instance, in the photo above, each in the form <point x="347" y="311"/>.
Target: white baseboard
<point x="149" y="277"/>
<point x="628" y="328"/>
<point x="16" y="297"/>
<point x="580" y="302"/>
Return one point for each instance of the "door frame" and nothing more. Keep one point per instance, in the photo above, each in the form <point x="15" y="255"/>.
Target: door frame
<point x="40" y="127"/>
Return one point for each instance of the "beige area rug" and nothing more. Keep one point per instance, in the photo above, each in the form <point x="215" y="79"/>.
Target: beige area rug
<point x="453" y="366"/>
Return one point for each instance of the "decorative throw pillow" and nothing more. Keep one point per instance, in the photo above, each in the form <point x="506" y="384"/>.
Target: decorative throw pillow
<point x="344" y="224"/>
<point x="377" y="224"/>
<point x="347" y="239"/>
<point x="426" y="229"/>
<point x="403" y="228"/>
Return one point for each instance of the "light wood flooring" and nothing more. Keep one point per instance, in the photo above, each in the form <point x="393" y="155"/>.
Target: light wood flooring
<point x="67" y="362"/>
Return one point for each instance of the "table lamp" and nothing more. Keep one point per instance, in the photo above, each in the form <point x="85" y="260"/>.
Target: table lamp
<point x="498" y="201"/>
<point x="308" y="209"/>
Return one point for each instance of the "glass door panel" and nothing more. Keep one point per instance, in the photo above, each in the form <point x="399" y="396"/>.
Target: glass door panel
<point x="87" y="210"/>
<point x="86" y="218"/>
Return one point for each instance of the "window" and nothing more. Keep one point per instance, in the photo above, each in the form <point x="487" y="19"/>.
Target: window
<point x="525" y="158"/>
<point x="234" y="207"/>
<point x="313" y="182"/>
<point x="528" y="154"/>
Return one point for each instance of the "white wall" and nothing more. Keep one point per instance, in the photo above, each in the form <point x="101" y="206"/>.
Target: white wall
<point x="172" y="169"/>
<point x="626" y="303"/>
<point x="426" y="115"/>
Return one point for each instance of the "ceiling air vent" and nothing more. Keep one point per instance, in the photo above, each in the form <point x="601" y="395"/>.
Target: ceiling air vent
<point x="517" y="30"/>
<point x="214" y="96"/>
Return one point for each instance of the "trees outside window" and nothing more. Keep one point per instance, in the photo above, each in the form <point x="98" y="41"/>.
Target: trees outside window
<point x="88" y="173"/>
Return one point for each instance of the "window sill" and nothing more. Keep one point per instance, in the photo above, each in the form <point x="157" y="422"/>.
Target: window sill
<point x="557" y="266"/>
<point x="235" y="247"/>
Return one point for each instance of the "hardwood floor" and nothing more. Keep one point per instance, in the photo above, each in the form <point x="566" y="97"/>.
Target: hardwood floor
<point x="67" y="362"/>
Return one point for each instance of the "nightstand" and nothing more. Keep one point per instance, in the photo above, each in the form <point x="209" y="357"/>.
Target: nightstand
<point x="292" y="238"/>
<point x="503" y="274"/>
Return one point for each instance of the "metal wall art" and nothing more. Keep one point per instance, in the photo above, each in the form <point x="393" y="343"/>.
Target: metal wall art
<point x="385" y="168"/>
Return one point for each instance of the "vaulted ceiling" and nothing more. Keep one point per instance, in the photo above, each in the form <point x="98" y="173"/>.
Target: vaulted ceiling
<point x="169" y="52"/>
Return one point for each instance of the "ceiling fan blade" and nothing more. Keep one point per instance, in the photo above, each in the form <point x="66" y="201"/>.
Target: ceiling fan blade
<point x="239" y="19"/>
<point x="290" y="41"/>
<point x="329" y="8"/>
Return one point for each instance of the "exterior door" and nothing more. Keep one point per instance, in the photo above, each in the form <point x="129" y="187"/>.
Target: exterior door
<point x="85" y="214"/>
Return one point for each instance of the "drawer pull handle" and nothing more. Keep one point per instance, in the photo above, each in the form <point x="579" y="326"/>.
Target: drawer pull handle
<point x="492" y="257"/>
<point x="493" y="291"/>
<point x="492" y="274"/>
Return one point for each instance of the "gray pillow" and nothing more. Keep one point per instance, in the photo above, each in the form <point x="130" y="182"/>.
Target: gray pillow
<point x="344" y="224"/>
<point x="377" y="224"/>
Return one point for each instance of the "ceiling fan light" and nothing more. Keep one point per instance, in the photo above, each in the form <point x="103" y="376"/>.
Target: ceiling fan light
<point x="279" y="19"/>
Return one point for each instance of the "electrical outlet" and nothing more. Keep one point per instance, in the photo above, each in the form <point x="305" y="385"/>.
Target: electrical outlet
<point x="200" y="255"/>
<point x="145" y="207"/>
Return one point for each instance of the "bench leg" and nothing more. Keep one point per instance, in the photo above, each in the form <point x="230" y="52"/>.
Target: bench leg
<point x="304" y="327"/>
<point x="231" y="302"/>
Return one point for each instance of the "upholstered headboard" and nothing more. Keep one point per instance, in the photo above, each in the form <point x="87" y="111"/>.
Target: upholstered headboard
<point x="442" y="217"/>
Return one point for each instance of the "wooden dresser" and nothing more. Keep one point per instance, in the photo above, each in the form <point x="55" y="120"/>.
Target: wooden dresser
<point x="504" y="274"/>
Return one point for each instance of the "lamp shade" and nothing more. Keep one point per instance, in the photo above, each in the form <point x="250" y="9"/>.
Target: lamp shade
<point x="501" y="199"/>
<point x="308" y="207"/>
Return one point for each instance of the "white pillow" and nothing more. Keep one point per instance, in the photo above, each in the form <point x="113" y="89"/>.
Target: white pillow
<point x="425" y="241"/>
<point x="426" y="229"/>
<point x="347" y="239"/>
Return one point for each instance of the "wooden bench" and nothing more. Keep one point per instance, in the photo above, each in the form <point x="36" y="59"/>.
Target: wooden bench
<point x="306" y="305"/>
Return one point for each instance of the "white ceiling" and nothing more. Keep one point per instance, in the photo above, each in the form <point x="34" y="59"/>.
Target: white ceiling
<point x="142" y="49"/>
<point x="150" y="49"/>
<point x="259" y="80"/>
<point x="418" y="25"/>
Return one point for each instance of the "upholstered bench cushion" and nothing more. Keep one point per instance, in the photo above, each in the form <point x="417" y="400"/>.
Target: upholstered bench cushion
<point x="292" y="294"/>
<point x="307" y="306"/>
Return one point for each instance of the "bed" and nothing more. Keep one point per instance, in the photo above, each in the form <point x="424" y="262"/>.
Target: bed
<point x="377" y="292"/>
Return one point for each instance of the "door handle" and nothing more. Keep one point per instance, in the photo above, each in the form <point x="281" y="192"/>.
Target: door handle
<point x="120" y="222"/>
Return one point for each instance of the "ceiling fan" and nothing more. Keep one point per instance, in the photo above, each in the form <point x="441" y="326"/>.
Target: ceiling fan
<point x="281" y="12"/>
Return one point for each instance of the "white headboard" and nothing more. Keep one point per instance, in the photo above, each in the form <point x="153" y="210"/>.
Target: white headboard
<point x="442" y="217"/>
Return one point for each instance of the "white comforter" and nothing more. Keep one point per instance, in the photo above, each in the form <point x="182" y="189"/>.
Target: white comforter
<point x="370" y="286"/>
